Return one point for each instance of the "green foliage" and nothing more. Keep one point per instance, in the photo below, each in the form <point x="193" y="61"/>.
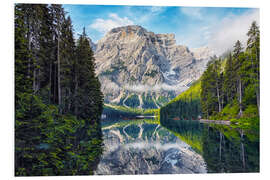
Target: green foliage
<point x="223" y="150"/>
<point x="192" y="93"/>
<point x="58" y="102"/>
<point x="188" y="131"/>
<point x="227" y="90"/>
<point x="229" y="112"/>
<point x="113" y="112"/>
<point x="184" y="106"/>
<point x="133" y="101"/>
<point x="88" y="100"/>
<point x="148" y="102"/>
<point x="118" y="112"/>
<point x="162" y="100"/>
<point x="22" y="82"/>
<point x="236" y="88"/>
<point x="212" y="89"/>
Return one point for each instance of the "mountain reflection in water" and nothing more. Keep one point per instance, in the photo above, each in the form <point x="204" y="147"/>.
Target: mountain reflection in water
<point x="143" y="147"/>
<point x="223" y="147"/>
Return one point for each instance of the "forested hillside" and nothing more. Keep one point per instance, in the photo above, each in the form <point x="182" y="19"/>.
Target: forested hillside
<point x="116" y="113"/>
<point x="233" y="92"/>
<point x="185" y="106"/>
<point x="229" y="89"/>
<point x="58" y="102"/>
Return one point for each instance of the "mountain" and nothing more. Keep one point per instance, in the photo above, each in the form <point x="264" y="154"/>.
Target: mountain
<point x="92" y="44"/>
<point x="138" y="68"/>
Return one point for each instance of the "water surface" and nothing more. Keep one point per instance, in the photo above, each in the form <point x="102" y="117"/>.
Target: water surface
<point x="145" y="147"/>
<point x="178" y="147"/>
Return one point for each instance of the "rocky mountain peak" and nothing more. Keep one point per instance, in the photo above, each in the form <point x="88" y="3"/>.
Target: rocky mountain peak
<point x="132" y="61"/>
<point x="128" y="29"/>
<point x="134" y="34"/>
<point x="202" y="52"/>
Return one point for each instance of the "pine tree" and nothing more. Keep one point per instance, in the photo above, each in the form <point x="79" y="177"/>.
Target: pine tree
<point x="218" y="83"/>
<point x="67" y="64"/>
<point x="253" y="47"/>
<point x="229" y="80"/>
<point x="22" y="80"/>
<point x="87" y="82"/>
<point x="209" y="90"/>
<point x="88" y="99"/>
<point x="237" y="49"/>
<point x="58" y="16"/>
<point x="48" y="65"/>
<point x="238" y="60"/>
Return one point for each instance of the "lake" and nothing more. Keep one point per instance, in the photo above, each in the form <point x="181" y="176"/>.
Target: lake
<point x="180" y="147"/>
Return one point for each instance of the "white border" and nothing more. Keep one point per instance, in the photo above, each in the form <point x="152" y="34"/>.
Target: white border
<point x="208" y="3"/>
<point x="7" y="83"/>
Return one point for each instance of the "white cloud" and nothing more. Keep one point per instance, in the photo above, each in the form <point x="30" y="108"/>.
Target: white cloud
<point x="194" y="38"/>
<point x="157" y="10"/>
<point x="230" y="30"/>
<point x="194" y="12"/>
<point x="105" y="25"/>
<point x="155" y="88"/>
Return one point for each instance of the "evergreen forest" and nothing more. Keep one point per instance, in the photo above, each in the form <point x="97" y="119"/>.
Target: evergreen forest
<point x="229" y="89"/>
<point x="58" y="101"/>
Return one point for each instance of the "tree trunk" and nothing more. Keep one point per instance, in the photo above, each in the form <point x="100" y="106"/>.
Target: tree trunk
<point x="29" y="48"/>
<point x="258" y="99"/>
<point x="220" y="140"/>
<point x="34" y="79"/>
<point x="55" y="93"/>
<point x="35" y="74"/>
<point x="222" y="100"/>
<point x="50" y="82"/>
<point x="75" y="93"/>
<point x="240" y="98"/>
<point x="69" y="102"/>
<point x="243" y="150"/>
<point x="219" y="104"/>
<point x="58" y="70"/>
<point x="38" y="80"/>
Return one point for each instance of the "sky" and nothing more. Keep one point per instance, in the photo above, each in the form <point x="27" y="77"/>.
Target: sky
<point x="218" y="28"/>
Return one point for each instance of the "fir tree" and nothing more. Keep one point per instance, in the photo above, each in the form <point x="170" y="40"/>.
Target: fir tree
<point x="50" y="137"/>
<point x="229" y="79"/>
<point x="253" y="47"/>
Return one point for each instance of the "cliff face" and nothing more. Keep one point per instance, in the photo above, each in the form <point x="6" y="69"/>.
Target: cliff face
<point x="149" y="68"/>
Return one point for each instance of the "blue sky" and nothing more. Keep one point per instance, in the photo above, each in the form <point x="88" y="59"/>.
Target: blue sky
<point x="194" y="27"/>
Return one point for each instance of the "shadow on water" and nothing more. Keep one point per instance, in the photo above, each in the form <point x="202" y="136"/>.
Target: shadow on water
<point x="222" y="147"/>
